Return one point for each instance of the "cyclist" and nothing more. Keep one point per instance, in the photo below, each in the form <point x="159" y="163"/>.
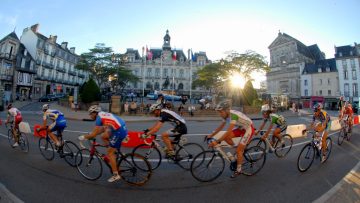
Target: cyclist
<point x="322" y="128"/>
<point x="114" y="132"/>
<point x="347" y="111"/>
<point x="275" y="119"/>
<point x="58" y="123"/>
<point x="237" y="121"/>
<point x="14" y="117"/>
<point x="173" y="118"/>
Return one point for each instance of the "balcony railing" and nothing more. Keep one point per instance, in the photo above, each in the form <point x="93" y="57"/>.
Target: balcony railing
<point x="72" y="73"/>
<point x="60" y="69"/>
<point x="81" y="75"/>
<point x="7" y="56"/>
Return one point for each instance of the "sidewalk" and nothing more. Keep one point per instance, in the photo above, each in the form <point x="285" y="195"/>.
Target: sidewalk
<point x="7" y="196"/>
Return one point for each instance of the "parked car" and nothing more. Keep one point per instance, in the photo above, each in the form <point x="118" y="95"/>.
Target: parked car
<point x="47" y="98"/>
<point x="60" y="95"/>
<point x="169" y="97"/>
<point x="152" y="96"/>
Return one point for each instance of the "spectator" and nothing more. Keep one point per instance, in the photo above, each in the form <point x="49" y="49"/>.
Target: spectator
<point x="142" y="107"/>
<point x="161" y="100"/>
<point x="126" y="107"/>
<point x="341" y="105"/>
<point x="191" y="110"/>
<point x="202" y="103"/>
<point x="181" y="109"/>
<point x="133" y="107"/>
<point x="207" y="105"/>
<point x="148" y="108"/>
<point x="184" y="99"/>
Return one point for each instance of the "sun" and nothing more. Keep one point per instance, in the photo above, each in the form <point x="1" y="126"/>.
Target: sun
<point x="237" y="80"/>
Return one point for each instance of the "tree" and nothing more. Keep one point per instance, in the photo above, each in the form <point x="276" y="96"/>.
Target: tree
<point x="91" y="92"/>
<point x="249" y="94"/>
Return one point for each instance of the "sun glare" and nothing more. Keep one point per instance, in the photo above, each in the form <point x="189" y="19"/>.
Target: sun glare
<point x="237" y="80"/>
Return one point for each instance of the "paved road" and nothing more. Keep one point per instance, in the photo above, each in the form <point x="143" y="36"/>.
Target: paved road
<point x="33" y="179"/>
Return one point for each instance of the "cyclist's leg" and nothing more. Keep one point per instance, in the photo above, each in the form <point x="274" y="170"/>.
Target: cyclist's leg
<point x="53" y="127"/>
<point x="249" y="131"/>
<point x="165" y="137"/>
<point x="106" y="135"/>
<point x="350" y="124"/>
<point x="15" y="131"/>
<point x="115" y="139"/>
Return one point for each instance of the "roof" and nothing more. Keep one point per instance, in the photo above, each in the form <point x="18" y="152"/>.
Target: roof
<point x="156" y="53"/>
<point x="12" y="35"/>
<point x="311" y="68"/>
<point x="41" y="36"/>
<point x="316" y="52"/>
<point x="346" y="51"/>
<point x="133" y="51"/>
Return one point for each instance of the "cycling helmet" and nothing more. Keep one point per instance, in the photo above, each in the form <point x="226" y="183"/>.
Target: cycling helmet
<point x="9" y="106"/>
<point x="94" y="108"/>
<point x="265" y="108"/>
<point x="224" y="105"/>
<point x="45" y="107"/>
<point x="155" y="107"/>
<point x="317" y="107"/>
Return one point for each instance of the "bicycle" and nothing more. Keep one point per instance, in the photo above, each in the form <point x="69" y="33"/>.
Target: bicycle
<point x="89" y="164"/>
<point x="67" y="150"/>
<point x="209" y="165"/>
<point x="344" y="131"/>
<point x="280" y="147"/>
<point x="184" y="152"/>
<point x="22" y="138"/>
<point x="307" y="153"/>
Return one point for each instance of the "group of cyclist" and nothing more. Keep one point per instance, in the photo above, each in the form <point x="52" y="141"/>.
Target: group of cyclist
<point x="114" y="130"/>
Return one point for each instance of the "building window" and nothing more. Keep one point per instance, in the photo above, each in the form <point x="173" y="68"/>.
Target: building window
<point x="355" y="89"/>
<point x="352" y="63"/>
<point x="328" y="81"/>
<point x="165" y="72"/>
<point x="306" y="93"/>
<point x="346" y="74"/>
<point x="320" y="81"/>
<point x="353" y="74"/>
<point x="157" y="72"/>
<point x="320" y="92"/>
<point x="346" y="90"/>
<point x="305" y="82"/>
<point x="329" y="92"/>
<point x="149" y="72"/>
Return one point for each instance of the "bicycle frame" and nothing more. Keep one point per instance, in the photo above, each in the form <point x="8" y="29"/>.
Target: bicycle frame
<point x="175" y="143"/>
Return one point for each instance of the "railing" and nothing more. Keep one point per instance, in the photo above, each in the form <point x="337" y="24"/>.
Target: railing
<point x="72" y="73"/>
<point x="8" y="56"/>
<point x="81" y="75"/>
<point x="60" y="69"/>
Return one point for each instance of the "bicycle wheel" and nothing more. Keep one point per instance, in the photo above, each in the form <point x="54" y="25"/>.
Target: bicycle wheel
<point x="283" y="147"/>
<point x="207" y="166"/>
<point x="46" y="149"/>
<point x="342" y="135"/>
<point x="185" y="154"/>
<point x="11" y="138"/>
<point x="257" y="142"/>
<point x="89" y="166"/>
<point x="306" y="157"/>
<point x="151" y="153"/>
<point x="131" y="172"/>
<point x="328" y="148"/>
<point x="69" y="152"/>
<point x="23" y="142"/>
<point x="254" y="160"/>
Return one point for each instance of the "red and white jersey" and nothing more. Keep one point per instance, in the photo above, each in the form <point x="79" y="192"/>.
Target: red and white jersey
<point x="14" y="112"/>
<point x="109" y="119"/>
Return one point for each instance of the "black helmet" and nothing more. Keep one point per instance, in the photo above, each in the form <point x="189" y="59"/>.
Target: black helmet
<point x="9" y="106"/>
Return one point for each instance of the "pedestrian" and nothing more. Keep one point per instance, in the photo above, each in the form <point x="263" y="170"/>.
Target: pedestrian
<point x="341" y="105"/>
<point x="126" y="107"/>
<point x="181" y="109"/>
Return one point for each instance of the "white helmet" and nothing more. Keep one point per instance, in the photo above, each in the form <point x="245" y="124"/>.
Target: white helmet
<point x="94" y="108"/>
<point x="155" y="107"/>
<point x="265" y="108"/>
<point x="45" y="107"/>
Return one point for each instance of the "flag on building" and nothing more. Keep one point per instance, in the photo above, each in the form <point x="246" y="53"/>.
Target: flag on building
<point x="174" y="56"/>
<point x="193" y="57"/>
<point x="143" y="49"/>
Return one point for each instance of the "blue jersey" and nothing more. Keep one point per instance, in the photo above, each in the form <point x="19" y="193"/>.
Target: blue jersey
<point x="116" y="124"/>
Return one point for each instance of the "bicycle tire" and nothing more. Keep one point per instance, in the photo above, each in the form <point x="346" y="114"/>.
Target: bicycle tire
<point x="89" y="166"/>
<point x="151" y="153"/>
<point x="69" y="151"/>
<point x="204" y="163"/>
<point x="257" y="141"/>
<point x="131" y="173"/>
<point x="286" y="145"/>
<point x="185" y="154"/>
<point x="254" y="160"/>
<point x="348" y="135"/>
<point x="341" y="136"/>
<point x="11" y="138"/>
<point x="328" y="148"/>
<point x="24" y="142"/>
<point x="46" y="149"/>
<point x="309" y="154"/>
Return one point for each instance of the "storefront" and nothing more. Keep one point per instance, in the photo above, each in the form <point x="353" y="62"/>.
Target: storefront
<point x="331" y="103"/>
<point x="24" y="85"/>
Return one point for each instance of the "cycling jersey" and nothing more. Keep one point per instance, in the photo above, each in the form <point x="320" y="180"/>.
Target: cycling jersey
<point x="241" y="121"/>
<point x="348" y="111"/>
<point x="278" y="120"/>
<point x="115" y="124"/>
<point x="173" y="118"/>
<point x="323" y="117"/>
<point x="16" y="114"/>
<point x="59" y="123"/>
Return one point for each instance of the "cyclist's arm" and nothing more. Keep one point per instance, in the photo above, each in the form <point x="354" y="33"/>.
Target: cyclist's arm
<point x="261" y="127"/>
<point x="217" y="130"/>
<point x="228" y="132"/>
<point x="97" y="130"/>
<point x="8" y="118"/>
<point x="269" y="129"/>
<point x="155" y="128"/>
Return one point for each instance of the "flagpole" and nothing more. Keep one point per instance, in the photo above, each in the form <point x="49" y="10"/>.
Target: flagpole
<point x="173" y="86"/>
<point x="161" y="67"/>
<point x="143" y="77"/>
<point x="190" y="75"/>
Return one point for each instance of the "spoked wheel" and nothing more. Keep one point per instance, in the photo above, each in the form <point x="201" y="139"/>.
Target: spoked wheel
<point x="11" y="138"/>
<point x="89" y="166"/>
<point x="306" y="157"/>
<point x="186" y="153"/>
<point x="207" y="166"/>
<point x="23" y="142"/>
<point x="328" y="148"/>
<point x="130" y="171"/>
<point x="150" y="153"/>
<point x="69" y="152"/>
<point x="254" y="160"/>
<point x="46" y="149"/>
<point x="283" y="147"/>
<point x="341" y="136"/>
<point x="257" y="142"/>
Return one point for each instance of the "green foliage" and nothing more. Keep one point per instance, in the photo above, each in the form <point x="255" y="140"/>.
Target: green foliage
<point x="91" y="92"/>
<point x="249" y="94"/>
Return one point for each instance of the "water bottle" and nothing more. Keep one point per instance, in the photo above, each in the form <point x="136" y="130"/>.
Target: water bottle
<point x="231" y="157"/>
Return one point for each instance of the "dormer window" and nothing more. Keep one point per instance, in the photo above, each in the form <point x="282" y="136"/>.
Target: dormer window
<point x="327" y="69"/>
<point x="351" y="53"/>
<point x="340" y="54"/>
<point x="319" y="70"/>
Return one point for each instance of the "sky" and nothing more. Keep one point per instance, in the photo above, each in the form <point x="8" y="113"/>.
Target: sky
<point x="213" y="26"/>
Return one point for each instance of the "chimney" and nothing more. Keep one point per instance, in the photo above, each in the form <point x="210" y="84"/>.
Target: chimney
<point x="54" y="38"/>
<point x="72" y="50"/>
<point x="35" y="27"/>
<point x="64" y="45"/>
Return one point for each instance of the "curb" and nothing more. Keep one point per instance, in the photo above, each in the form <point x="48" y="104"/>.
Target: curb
<point x="346" y="190"/>
<point x="7" y="196"/>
